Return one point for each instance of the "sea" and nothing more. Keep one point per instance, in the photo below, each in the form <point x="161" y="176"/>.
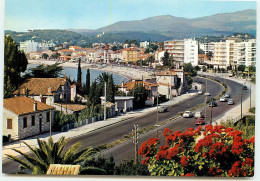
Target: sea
<point x="72" y="72"/>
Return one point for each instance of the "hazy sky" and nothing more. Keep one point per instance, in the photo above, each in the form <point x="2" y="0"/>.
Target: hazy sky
<point x="21" y="15"/>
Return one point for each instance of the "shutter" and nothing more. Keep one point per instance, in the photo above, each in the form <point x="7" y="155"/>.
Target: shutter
<point x="9" y="124"/>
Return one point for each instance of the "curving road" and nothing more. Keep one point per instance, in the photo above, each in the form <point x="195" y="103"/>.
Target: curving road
<point x="125" y="150"/>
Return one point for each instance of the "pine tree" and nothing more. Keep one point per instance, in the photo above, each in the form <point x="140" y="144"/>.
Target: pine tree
<point x="110" y="89"/>
<point x="166" y="59"/>
<point x="88" y="82"/>
<point x="79" y="78"/>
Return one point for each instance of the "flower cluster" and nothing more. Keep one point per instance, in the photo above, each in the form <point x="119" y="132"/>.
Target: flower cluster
<point x="219" y="151"/>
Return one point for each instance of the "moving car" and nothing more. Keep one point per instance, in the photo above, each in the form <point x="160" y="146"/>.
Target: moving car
<point x="230" y="102"/>
<point x="207" y="94"/>
<point x="223" y="99"/>
<point x="198" y="115"/>
<point x="200" y="121"/>
<point x="227" y="95"/>
<point x="162" y="109"/>
<point x="187" y="114"/>
<point x="212" y="104"/>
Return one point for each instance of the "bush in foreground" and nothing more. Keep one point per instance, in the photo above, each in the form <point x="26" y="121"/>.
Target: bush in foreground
<point x="218" y="151"/>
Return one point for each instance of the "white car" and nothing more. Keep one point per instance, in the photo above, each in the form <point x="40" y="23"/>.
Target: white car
<point x="227" y="95"/>
<point x="207" y="94"/>
<point x="223" y="99"/>
<point x="187" y="114"/>
<point x="162" y="109"/>
<point x="230" y="102"/>
<point x="200" y="92"/>
<point x="198" y="115"/>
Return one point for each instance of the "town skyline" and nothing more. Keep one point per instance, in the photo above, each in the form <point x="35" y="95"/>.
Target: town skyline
<point x="50" y="15"/>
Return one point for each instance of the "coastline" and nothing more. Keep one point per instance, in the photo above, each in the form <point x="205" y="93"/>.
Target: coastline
<point x="127" y="72"/>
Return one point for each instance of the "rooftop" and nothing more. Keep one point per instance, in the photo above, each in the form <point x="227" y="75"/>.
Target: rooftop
<point x="24" y="105"/>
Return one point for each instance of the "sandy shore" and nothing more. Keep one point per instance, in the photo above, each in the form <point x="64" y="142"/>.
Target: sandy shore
<point x="127" y="72"/>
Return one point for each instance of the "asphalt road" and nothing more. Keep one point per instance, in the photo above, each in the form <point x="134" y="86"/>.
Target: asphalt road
<point x="117" y="131"/>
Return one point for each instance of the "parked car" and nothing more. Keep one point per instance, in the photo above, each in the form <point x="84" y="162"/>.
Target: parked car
<point x="244" y="87"/>
<point x="200" y="92"/>
<point x="162" y="109"/>
<point x="230" y="102"/>
<point x="223" y="99"/>
<point x="200" y="121"/>
<point x="198" y="115"/>
<point x="187" y="114"/>
<point x="207" y="94"/>
<point x="227" y="95"/>
<point x="230" y="75"/>
<point x="213" y="104"/>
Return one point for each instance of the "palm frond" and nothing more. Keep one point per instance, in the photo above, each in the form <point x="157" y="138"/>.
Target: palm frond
<point x="22" y="162"/>
<point x="69" y="154"/>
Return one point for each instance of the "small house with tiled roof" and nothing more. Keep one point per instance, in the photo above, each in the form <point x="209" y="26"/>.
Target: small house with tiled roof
<point x="172" y="82"/>
<point x="24" y="117"/>
<point x="46" y="90"/>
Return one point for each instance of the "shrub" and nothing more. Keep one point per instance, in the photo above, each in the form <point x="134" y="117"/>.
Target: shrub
<point x="61" y="119"/>
<point x="216" y="152"/>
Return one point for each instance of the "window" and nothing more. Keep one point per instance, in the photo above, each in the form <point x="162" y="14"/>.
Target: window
<point x="9" y="123"/>
<point x="33" y="120"/>
<point x="48" y="116"/>
<point x="25" y="122"/>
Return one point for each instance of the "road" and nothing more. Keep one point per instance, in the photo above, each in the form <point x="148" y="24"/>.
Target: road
<point x="114" y="132"/>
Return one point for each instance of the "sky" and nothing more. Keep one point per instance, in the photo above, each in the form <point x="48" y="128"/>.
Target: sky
<point x="22" y="15"/>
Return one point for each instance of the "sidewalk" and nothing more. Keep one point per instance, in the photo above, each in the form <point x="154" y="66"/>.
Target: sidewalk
<point x="32" y="141"/>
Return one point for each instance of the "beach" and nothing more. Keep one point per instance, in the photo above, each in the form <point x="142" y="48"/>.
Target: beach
<point x="128" y="72"/>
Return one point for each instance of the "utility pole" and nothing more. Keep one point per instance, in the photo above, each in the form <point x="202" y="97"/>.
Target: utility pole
<point x="241" y="100"/>
<point x="206" y="97"/>
<point x="105" y="108"/>
<point x="157" y="112"/>
<point x="211" y="108"/>
<point x="135" y="142"/>
<point x="250" y="96"/>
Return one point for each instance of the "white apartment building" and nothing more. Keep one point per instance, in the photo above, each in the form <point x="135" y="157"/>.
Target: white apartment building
<point x="207" y="47"/>
<point x="234" y="53"/>
<point x="32" y="46"/>
<point x="144" y="44"/>
<point x="183" y="51"/>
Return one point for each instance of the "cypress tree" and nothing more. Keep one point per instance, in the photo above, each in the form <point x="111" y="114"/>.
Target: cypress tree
<point x="79" y="78"/>
<point x="88" y="82"/>
<point x="110" y="89"/>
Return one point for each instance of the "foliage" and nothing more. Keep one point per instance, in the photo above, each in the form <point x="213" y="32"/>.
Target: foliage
<point x="45" y="71"/>
<point x="190" y="69"/>
<point x="150" y="59"/>
<point x="241" y="68"/>
<point x="61" y="119"/>
<point x="129" y="168"/>
<point x="197" y="68"/>
<point x="204" y="69"/>
<point x="87" y="89"/>
<point x="111" y="89"/>
<point x="140" y="62"/>
<point x="252" y="68"/>
<point x="79" y="75"/>
<point x="52" y="153"/>
<point x="252" y="110"/>
<point x="219" y="151"/>
<point x="140" y="94"/>
<point x="94" y="94"/>
<point x="15" y="62"/>
<point x="45" y="55"/>
<point x="166" y="59"/>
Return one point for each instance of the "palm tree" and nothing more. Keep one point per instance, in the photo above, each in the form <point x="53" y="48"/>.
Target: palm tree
<point x="102" y="78"/>
<point x="53" y="153"/>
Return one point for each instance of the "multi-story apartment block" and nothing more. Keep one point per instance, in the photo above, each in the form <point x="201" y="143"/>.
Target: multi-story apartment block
<point x="129" y="55"/>
<point x="207" y="47"/>
<point x="183" y="51"/>
<point x="234" y="53"/>
<point x="32" y="46"/>
<point x="144" y="44"/>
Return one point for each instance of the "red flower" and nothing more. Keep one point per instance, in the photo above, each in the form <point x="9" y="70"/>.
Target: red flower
<point x="189" y="175"/>
<point x="213" y="171"/>
<point x="145" y="161"/>
<point x="166" y="132"/>
<point x="249" y="161"/>
<point x="252" y="140"/>
<point x="184" y="161"/>
<point x="229" y="130"/>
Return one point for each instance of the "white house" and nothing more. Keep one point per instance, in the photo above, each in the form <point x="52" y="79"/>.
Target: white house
<point x="24" y="117"/>
<point x="122" y="103"/>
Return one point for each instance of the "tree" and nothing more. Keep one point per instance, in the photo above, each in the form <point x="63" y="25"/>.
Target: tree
<point x="219" y="151"/>
<point x="187" y="67"/>
<point x="79" y="76"/>
<point x="252" y="68"/>
<point x="197" y="68"/>
<point x="52" y="153"/>
<point x="45" y="55"/>
<point x="140" y="95"/>
<point x="114" y="48"/>
<point x="15" y="62"/>
<point x="165" y="59"/>
<point x="111" y="89"/>
<point x="210" y="55"/>
<point x="201" y="51"/>
<point x="94" y="94"/>
<point x="45" y="71"/>
<point x="87" y="82"/>
<point x="241" y="68"/>
<point x="204" y="69"/>
<point x="150" y="59"/>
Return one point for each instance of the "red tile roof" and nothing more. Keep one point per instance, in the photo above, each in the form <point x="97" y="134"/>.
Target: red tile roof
<point x="167" y="73"/>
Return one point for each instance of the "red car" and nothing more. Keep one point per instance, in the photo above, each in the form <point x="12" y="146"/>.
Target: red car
<point x="200" y="121"/>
